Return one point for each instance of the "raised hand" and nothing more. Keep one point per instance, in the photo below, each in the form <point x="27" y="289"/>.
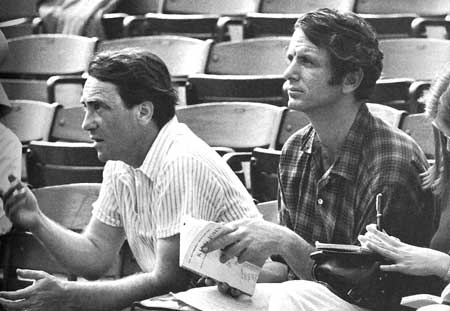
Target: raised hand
<point x="20" y="204"/>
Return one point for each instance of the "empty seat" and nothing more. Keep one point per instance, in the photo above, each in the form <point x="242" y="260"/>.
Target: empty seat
<point x="295" y="6"/>
<point x="68" y="205"/>
<point x="291" y="122"/>
<point x="259" y="56"/>
<point x="264" y="174"/>
<point x="229" y="7"/>
<point x="182" y="55"/>
<point x="236" y="125"/>
<point x="30" y="120"/>
<point x="419" y="127"/>
<point x="391" y="116"/>
<point x="57" y="163"/>
<point x="67" y="125"/>
<point x="33" y="59"/>
<point x="425" y="8"/>
<point x="203" y="88"/>
<point x="199" y="26"/>
<point x="414" y="58"/>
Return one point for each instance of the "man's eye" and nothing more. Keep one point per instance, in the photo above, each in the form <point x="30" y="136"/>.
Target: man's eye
<point x="96" y="106"/>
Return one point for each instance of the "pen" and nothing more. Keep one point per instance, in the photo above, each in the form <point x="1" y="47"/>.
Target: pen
<point x="379" y="212"/>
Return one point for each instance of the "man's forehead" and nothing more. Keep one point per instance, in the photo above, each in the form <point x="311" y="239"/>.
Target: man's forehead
<point x="300" y="41"/>
<point x="95" y="88"/>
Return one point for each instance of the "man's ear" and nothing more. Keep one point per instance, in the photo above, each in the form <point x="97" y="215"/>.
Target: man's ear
<point x="145" y="112"/>
<point x="352" y="81"/>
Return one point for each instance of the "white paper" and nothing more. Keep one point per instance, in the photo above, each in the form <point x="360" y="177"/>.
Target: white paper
<point x="209" y="298"/>
<point x="193" y="235"/>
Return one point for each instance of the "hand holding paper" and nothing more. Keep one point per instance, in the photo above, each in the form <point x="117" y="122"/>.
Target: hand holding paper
<point x="194" y="234"/>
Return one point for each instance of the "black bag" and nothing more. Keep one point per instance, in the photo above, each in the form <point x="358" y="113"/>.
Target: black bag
<point x="355" y="277"/>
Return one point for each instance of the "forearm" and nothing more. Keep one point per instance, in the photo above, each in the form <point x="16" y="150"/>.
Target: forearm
<point x="295" y="251"/>
<point x="118" y="294"/>
<point x="73" y="250"/>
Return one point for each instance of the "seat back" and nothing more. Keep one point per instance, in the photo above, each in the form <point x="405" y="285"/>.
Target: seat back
<point x="391" y="116"/>
<point x="419" y="127"/>
<point x="269" y="24"/>
<point x="259" y="56"/>
<point x="237" y="125"/>
<point x="138" y="7"/>
<point x="291" y="122"/>
<point x="57" y="163"/>
<point x="33" y="59"/>
<point x="264" y="174"/>
<point x="67" y="125"/>
<point x="48" y="54"/>
<point x="394" y="93"/>
<point x="200" y="26"/>
<point x="390" y="26"/>
<point x="69" y="205"/>
<point x="229" y="7"/>
<point x="30" y="120"/>
<point x="414" y="58"/>
<point x="432" y="7"/>
<point x="269" y="210"/>
<point x="203" y="88"/>
<point x="295" y="6"/>
<point x="12" y="9"/>
<point x="182" y="55"/>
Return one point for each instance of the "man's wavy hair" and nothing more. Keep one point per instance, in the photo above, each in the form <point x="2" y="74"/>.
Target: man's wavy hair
<point x="139" y="76"/>
<point x="351" y="43"/>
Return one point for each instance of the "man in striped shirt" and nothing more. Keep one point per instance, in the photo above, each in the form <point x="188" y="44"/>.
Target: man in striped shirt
<point x="157" y="172"/>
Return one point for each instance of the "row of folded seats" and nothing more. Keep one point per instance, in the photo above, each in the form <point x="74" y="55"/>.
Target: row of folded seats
<point x="209" y="19"/>
<point x="50" y="67"/>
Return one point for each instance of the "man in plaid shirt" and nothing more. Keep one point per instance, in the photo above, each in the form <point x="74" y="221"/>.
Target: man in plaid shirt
<point x="331" y="171"/>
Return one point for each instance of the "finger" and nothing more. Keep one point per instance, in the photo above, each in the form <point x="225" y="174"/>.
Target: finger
<point x="385" y="237"/>
<point x="387" y="253"/>
<point x="255" y="258"/>
<point x="23" y="293"/>
<point x="14" y="305"/>
<point x="223" y="288"/>
<point x="221" y="241"/>
<point x="31" y="274"/>
<point x="234" y="292"/>
<point x="233" y="250"/>
<point x="392" y="268"/>
<point x="210" y="282"/>
<point x="15" y="185"/>
<point x="13" y="204"/>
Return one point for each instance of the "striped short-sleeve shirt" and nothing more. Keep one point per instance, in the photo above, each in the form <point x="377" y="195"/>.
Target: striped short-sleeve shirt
<point x="181" y="175"/>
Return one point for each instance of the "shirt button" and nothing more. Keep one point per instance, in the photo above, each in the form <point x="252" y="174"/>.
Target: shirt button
<point x="319" y="201"/>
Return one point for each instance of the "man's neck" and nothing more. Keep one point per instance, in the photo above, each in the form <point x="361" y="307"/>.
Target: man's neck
<point x="332" y="124"/>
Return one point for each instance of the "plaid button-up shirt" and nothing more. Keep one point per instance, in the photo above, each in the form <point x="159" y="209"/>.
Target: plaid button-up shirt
<point x="336" y="205"/>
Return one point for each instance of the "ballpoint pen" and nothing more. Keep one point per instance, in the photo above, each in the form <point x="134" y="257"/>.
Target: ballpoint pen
<point x="379" y="212"/>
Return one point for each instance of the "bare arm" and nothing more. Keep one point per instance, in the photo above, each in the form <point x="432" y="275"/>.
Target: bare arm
<point x="89" y="254"/>
<point x="254" y="240"/>
<point x="103" y="295"/>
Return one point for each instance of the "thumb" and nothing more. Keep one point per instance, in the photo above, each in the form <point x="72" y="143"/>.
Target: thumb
<point x="31" y="274"/>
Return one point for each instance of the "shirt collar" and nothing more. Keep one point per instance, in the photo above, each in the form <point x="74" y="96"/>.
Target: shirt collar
<point x="158" y="150"/>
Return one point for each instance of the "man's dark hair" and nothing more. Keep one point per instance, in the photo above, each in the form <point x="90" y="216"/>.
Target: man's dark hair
<point x="351" y="43"/>
<point x="139" y="76"/>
